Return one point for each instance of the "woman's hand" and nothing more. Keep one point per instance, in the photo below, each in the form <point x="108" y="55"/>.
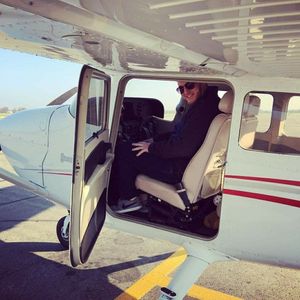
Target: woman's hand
<point x="141" y="147"/>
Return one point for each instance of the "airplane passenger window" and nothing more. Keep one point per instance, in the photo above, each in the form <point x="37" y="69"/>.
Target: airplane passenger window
<point x="292" y="123"/>
<point x="270" y="123"/>
<point x="265" y="112"/>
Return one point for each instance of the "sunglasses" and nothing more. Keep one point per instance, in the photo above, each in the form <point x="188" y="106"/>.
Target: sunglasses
<point x="188" y="86"/>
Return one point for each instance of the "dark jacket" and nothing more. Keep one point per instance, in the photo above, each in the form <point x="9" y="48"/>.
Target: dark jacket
<point x="190" y="132"/>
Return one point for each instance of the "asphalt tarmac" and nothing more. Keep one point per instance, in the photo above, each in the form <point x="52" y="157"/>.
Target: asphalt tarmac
<point x="33" y="265"/>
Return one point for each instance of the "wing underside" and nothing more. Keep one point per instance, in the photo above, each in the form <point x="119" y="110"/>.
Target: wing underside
<point x="204" y="36"/>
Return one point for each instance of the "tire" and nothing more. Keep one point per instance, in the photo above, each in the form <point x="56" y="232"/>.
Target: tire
<point x="64" y="241"/>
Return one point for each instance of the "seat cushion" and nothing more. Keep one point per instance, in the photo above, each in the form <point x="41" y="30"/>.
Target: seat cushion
<point x="161" y="190"/>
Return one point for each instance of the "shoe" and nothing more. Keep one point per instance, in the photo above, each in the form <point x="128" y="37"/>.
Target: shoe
<point x="144" y="209"/>
<point x="125" y="206"/>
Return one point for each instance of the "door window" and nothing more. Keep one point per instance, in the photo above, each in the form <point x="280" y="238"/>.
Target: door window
<point x="95" y="110"/>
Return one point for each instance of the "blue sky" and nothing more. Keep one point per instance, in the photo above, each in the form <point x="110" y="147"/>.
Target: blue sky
<point x="31" y="81"/>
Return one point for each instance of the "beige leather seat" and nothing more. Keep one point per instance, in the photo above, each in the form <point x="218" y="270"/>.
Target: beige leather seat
<point x="203" y="175"/>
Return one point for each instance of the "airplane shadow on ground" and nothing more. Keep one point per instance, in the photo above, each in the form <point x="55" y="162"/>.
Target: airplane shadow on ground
<point x="28" y="275"/>
<point x="17" y="205"/>
<point x="41" y="270"/>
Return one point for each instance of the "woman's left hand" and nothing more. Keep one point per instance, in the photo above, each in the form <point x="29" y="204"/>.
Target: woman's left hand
<point x="141" y="147"/>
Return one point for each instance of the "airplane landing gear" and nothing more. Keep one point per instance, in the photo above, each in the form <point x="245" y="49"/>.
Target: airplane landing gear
<point x="62" y="231"/>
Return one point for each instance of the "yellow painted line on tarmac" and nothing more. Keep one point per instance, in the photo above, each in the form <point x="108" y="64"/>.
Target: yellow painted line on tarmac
<point x="202" y="293"/>
<point x="159" y="276"/>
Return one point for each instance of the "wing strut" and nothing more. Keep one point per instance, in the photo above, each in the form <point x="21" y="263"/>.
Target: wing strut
<point x="184" y="278"/>
<point x="197" y="260"/>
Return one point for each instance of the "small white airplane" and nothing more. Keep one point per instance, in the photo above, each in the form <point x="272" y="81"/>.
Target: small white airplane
<point x="242" y="186"/>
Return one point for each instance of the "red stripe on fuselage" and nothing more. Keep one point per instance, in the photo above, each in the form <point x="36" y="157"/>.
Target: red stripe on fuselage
<point x="49" y="172"/>
<point x="265" y="179"/>
<point x="55" y="173"/>
<point x="263" y="197"/>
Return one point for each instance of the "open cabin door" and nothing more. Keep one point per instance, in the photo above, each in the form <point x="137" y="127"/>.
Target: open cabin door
<point x="91" y="163"/>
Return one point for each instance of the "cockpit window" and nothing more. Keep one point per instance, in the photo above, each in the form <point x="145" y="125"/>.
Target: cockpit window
<point x="165" y="91"/>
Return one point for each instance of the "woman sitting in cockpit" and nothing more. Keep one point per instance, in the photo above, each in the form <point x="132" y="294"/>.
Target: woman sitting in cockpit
<point x="166" y="157"/>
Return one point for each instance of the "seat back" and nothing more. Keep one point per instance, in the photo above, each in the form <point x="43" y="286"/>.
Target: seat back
<point x="203" y="175"/>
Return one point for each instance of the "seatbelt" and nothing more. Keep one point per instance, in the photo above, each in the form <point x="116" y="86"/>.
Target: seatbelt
<point x="181" y="191"/>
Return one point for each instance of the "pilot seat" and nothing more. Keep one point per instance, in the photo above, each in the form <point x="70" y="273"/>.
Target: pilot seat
<point x="202" y="178"/>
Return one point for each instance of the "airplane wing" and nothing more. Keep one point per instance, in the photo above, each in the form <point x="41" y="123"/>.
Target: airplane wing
<point x="207" y="37"/>
<point x="64" y="97"/>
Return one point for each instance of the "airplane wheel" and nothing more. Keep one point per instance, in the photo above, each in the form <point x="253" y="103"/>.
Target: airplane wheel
<point x="63" y="237"/>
